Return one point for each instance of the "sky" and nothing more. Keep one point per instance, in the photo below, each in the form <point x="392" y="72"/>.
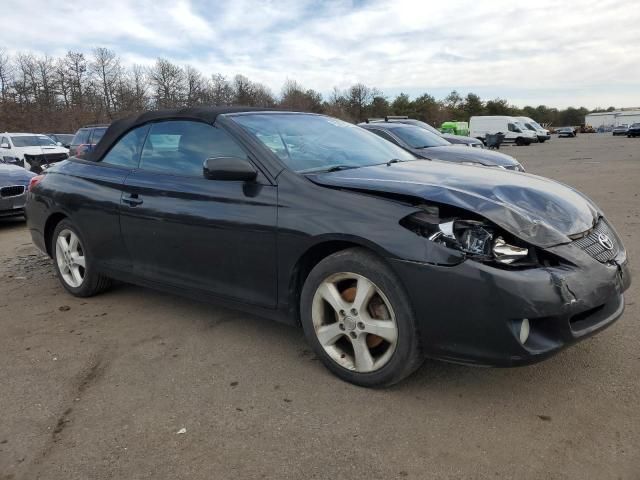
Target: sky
<point x="557" y="53"/>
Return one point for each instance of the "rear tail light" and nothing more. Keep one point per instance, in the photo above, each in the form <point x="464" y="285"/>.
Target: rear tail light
<point x="35" y="181"/>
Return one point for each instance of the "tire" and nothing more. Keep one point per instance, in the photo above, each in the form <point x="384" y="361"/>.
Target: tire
<point x="393" y="355"/>
<point x="91" y="282"/>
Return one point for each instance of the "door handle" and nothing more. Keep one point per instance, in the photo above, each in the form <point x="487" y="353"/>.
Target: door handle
<point x="132" y="200"/>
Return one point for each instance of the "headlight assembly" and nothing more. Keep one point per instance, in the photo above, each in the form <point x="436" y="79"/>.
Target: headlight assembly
<point x="478" y="239"/>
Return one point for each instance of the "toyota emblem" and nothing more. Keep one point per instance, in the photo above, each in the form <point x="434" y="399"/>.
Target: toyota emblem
<point x="605" y="241"/>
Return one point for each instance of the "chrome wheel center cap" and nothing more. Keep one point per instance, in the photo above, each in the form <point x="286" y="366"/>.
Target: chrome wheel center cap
<point x="349" y="324"/>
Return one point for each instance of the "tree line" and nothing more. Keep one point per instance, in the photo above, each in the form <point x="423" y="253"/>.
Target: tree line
<point x="59" y="94"/>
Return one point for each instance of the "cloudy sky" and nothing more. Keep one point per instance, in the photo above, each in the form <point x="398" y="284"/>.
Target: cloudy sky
<point x="557" y="52"/>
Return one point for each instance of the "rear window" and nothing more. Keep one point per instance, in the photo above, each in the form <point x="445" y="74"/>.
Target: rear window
<point x="97" y="134"/>
<point x="82" y="137"/>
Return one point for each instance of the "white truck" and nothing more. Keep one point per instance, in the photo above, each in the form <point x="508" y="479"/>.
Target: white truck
<point x="531" y="124"/>
<point x="513" y="130"/>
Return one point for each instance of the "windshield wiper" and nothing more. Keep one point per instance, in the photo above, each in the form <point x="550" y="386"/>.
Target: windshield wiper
<point x="337" y="168"/>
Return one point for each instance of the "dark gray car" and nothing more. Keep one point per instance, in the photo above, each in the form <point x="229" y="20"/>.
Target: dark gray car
<point x="455" y="139"/>
<point x="425" y="144"/>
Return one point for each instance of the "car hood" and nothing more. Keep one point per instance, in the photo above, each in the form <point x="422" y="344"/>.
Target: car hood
<point x="538" y="210"/>
<point x="458" y="153"/>
<point x="40" y="150"/>
<point x="460" y="139"/>
<point x="14" y="175"/>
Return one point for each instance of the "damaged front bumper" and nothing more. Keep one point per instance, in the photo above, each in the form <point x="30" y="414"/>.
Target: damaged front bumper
<point x="471" y="312"/>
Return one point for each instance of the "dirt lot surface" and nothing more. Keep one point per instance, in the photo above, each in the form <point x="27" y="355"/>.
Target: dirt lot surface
<point x="103" y="387"/>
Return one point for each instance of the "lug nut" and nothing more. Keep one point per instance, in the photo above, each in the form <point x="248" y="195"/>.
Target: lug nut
<point x="354" y="311"/>
<point x="353" y="335"/>
<point x="341" y="326"/>
<point x="342" y="313"/>
<point x="361" y="325"/>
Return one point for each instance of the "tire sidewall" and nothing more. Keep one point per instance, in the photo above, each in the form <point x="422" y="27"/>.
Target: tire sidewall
<point x="361" y="262"/>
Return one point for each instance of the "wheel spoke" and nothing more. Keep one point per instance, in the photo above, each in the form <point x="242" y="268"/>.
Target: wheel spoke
<point x="364" y="291"/>
<point x="62" y="243"/>
<point x="363" y="358"/>
<point x="329" y="334"/>
<point x="382" y="328"/>
<point x="78" y="260"/>
<point x="73" y="243"/>
<point x="329" y="292"/>
<point x="75" y="272"/>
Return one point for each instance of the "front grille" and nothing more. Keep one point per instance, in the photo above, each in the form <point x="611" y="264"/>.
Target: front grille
<point x="592" y="244"/>
<point x="12" y="191"/>
<point x="45" y="158"/>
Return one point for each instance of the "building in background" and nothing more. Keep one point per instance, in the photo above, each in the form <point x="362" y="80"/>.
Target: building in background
<point x="609" y="120"/>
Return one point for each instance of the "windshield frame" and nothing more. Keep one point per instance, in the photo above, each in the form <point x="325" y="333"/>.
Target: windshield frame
<point x="432" y="137"/>
<point x="308" y="145"/>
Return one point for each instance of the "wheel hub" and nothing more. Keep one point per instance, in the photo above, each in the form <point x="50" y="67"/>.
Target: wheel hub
<point x="349" y="324"/>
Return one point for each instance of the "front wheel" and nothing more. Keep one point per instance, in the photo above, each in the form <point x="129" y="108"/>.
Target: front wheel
<point x="358" y="319"/>
<point x="73" y="262"/>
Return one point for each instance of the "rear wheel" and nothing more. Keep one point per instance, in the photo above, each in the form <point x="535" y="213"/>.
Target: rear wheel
<point x="73" y="262"/>
<point x="359" y="321"/>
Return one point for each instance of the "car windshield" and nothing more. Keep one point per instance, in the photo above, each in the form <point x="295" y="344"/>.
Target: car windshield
<point x="66" y="139"/>
<point x="313" y="143"/>
<point x="424" y="125"/>
<point x="32" y="141"/>
<point x="417" y="137"/>
<point x="635" y="125"/>
<point x="97" y="134"/>
<point x="536" y="125"/>
<point x="530" y="126"/>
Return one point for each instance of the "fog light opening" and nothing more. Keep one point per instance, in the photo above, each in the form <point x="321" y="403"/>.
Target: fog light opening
<point x="524" y="330"/>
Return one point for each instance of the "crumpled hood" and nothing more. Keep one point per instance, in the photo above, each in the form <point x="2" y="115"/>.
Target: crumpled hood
<point x="40" y="150"/>
<point x="14" y="175"/>
<point x="459" y="153"/>
<point x="535" y="209"/>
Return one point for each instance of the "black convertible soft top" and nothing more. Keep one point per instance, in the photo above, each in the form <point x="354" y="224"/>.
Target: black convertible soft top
<point x="118" y="128"/>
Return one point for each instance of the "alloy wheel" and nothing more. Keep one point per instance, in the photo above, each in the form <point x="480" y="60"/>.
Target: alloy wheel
<point x="70" y="257"/>
<point x="354" y="322"/>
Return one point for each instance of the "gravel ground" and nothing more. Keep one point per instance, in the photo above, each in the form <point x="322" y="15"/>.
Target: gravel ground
<point x="136" y="384"/>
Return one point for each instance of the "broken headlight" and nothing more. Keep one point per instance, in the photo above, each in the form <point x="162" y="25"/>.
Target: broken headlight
<point x="478" y="239"/>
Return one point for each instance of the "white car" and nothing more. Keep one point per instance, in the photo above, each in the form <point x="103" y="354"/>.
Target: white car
<point x="30" y="150"/>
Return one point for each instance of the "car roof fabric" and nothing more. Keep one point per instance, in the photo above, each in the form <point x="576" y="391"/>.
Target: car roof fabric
<point x="119" y="127"/>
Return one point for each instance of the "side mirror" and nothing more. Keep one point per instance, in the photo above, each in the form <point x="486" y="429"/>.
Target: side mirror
<point x="229" y="169"/>
<point x="4" y="145"/>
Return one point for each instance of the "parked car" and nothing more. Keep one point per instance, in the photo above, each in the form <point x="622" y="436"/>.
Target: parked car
<point x="634" y="130"/>
<point x="86" y="139"/>
<point x="566" y="132"/>
<point x="31" y="151"/>
<point x="513" y="130"/>
<point x="14" y="181"/>
<point x="620" y="130"/>
<point x="541" y="132"/>
<point x="380" y="257"/>
<point x="451" y="138"/>
<point x="61" y="139"/>
<point x="424" y="144"/>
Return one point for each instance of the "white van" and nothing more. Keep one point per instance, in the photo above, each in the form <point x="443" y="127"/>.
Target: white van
<point x="531" y="124"/>
<point x="513" y="130"/>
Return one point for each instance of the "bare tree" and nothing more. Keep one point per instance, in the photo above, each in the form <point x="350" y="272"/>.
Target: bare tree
<point x="6" y="74"/>
<point x="107" y="72"/>
<point x="196" y="86"/>
<point x="221" y="90"/>
<point x="168" y="83"/>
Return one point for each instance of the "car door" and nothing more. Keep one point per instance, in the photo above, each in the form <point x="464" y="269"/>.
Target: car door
<point x="94" y="206"/>
<point x="190" y="232"/>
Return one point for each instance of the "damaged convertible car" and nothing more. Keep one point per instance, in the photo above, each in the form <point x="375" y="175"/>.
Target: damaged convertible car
<point x="382" y="258"/>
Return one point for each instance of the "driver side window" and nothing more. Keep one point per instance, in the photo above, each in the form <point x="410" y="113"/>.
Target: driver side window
<point x="126" y="153"/>
<point x="512" y="127"/>
<point x="180" y="147"/>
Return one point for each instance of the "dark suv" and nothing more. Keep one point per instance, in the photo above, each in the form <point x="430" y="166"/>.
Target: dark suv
<point x="86" y="139"/>
<point x="634" y="130"/>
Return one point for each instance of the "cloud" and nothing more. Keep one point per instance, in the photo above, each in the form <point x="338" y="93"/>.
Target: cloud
<point x="538" y="52"/>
